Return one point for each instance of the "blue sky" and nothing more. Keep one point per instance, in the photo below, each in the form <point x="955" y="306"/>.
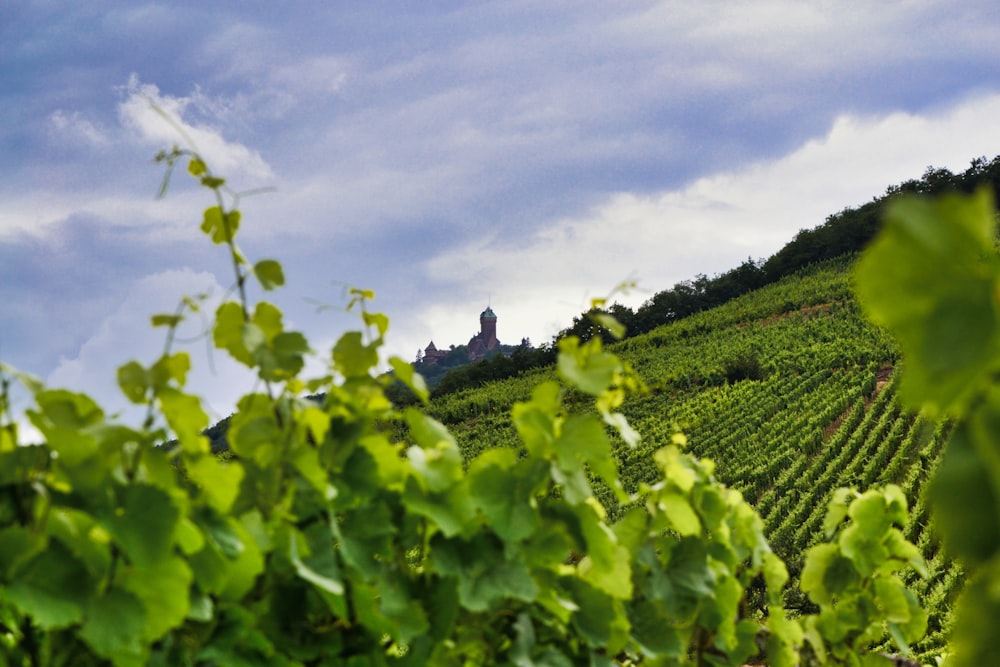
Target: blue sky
<point x="530" y="155"/>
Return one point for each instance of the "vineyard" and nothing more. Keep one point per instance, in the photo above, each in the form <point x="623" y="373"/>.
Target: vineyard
<point x="823" y="414"/>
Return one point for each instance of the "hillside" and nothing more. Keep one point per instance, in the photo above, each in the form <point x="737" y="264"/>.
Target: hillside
<point x="792" y="394"/>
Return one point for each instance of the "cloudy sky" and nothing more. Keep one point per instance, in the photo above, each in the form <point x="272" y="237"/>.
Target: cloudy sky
<point x="448" y="155"/>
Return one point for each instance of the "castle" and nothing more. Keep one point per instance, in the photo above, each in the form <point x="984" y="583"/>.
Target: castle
<point x="479" y="345"/>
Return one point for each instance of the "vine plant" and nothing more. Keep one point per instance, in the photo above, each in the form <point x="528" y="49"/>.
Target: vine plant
<point x="322" y="541"/>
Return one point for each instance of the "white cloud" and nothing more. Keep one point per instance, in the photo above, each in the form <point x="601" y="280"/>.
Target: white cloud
<point x="138" y="112"/>
<point x="73" y="127"/>
<point x="707" y="227"/>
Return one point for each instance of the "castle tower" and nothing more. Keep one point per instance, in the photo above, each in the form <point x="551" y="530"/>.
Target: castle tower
<point x="488" y="324"/>
<point x="486" y="340"/>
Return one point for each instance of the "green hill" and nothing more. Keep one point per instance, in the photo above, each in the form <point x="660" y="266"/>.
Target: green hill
<point x="791" y="393"/>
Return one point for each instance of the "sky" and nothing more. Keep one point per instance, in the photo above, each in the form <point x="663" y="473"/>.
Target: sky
<point x="524" y="155"/>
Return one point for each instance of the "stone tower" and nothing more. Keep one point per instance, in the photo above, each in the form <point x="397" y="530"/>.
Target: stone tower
<point x="486" y="340"/>
<point x="488" y="324"/>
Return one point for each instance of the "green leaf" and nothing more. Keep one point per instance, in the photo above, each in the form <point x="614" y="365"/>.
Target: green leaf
<point x="269" y="273"/>
<point x="836" y="511"/>
<point x="228" y="332"/>
<point x="973" y="641"/>
<point x="352" y="357"/>
<point x="586" y="367"/>
<point x="134" y="381"/>
<point x="451" y="511"/>
<point x="196" y="166"/>
<point x="601" y="619"/>
<point x="166" y="320"/>
<point x="406" y="374"/>
<point x="485" y="576"/>
<point x="504" y="491"/>
<point x="965" y="502"/>
<point x="785" y="638"/>
<point x="827" y="574"/>
<point x="437" y="460"/>
<point x="327" y="577"/>
<point x="115" y="627"/>
<point x="656" y="635"/>
<point x="379" y="320"/>
<point x="169" y="367"/>
<point x="219" y="482"/>
<point x="930" y="277"/>
<point x="164" y="591"/>
<point x="213" y="224"/>
<point x="145" y="524"/>
<point x="52" y="588"/>
<point x="186" y="418"/>
<point x="267" y="317"/>
<point x="607" y="564"/>
<point x="535" y="420"/>
<point x="775" y="576"/>
<point x="609" y="322"/>
<point x="680" y="514"/>
<point x="18" y="544"/>
<point x="582" y="440"/>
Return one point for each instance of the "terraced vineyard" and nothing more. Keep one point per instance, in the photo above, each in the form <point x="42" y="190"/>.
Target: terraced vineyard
<point x="816" y="411"/>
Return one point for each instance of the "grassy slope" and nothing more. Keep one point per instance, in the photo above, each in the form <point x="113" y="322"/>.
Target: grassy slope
<point x="823" y="414"/>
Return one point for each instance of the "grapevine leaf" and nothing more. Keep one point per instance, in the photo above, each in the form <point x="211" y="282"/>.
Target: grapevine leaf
<point x="18" y="544"/>
<point x="145" y="525"/>
<point x="219" y="226"/>
<point x="535" y="420"/>
<point x="930" y="277"/>
<point x="973" y="640"/>
<point x="219" y="482"/>
<point x="775" y="575"/>
<point x="656" y="636"/>
<point x="324" y="574"/>
<point x="609" y="322"/>
<point x="269" y="273"/>
<point x="196" y="166"/>
<point x="228" y="332"/>
<point x="133" y="380"/>
<point x="836" y="511"/>
<point x="504" y="491"/>
<point x="586" y="367"/>
<point x="965" y="502"/>
<point x="680" y="514"/>
<point x="601" y="619"/>
<point x="379" y="320"/>
<point x="827" y="573"/>
<point x="436" y="458"/>
<point x="170" y="367"/>
<point x="352" y="357"/>
<point x="451" y="510"/>
<point x="166" y="320"/>
<point x="406" y="374"/>
<point x="164" y="591"/>
<point x="186" y="418"/>
<point x="484" y="575"/>
<point x="52" y="588"/>
<point x="115" y="626"/>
